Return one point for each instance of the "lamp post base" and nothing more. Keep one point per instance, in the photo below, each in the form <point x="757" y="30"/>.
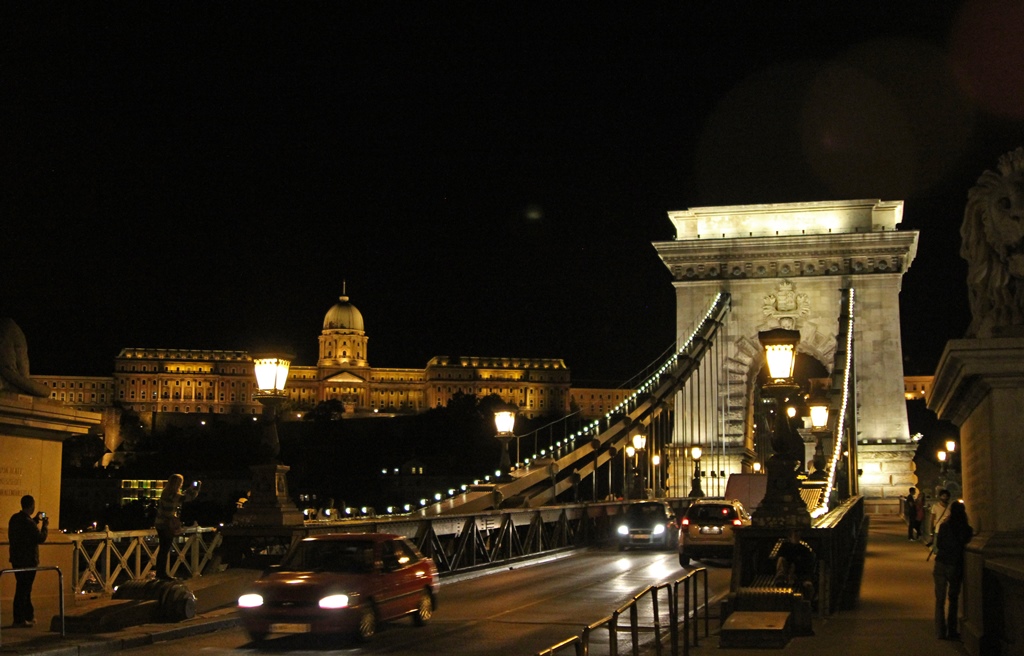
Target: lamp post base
<point x="269" y="504"/>
<point x="782" y="506"/>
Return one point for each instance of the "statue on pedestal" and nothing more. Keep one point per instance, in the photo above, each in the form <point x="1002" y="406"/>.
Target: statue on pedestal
<point x="993" y="245"/>
<point x="14" y="362"/>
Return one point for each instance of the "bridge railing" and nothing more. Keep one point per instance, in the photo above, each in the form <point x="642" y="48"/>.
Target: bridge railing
<point x="682" y="620"/>
<point x="493" y="537"/>
<point x="102" y="560"/>
<point x="838" y="541"/>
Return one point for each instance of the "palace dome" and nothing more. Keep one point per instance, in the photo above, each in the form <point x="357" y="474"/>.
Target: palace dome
<point x="343" y="316"/>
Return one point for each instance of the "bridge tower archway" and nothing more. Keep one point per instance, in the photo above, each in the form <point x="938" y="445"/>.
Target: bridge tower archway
<point x="786" y="265"/>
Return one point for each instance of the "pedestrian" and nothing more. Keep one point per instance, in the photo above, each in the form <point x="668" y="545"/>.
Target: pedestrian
<point x="168" y="519"/>
<point x="954" y="534"/>
<point x="24" y="537"/>
<point x="940" y="513"/>
<point x="914" y="510"/>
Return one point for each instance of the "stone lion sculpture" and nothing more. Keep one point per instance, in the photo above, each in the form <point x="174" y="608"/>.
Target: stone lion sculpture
<point x="993" y="245"/>
<point x="14" y="362"/>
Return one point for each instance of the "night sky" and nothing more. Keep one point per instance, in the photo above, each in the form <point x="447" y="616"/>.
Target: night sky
<point x="485" y="177"/>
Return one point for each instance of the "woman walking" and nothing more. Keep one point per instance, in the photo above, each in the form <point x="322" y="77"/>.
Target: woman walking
<point x="953" y="536"/>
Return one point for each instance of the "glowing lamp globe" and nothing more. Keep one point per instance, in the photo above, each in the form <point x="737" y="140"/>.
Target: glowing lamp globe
<point x="505" y="421"/>
<point x="819" y="415"/>
<point x="271" y="373"/>
<point x="779" y="351"/>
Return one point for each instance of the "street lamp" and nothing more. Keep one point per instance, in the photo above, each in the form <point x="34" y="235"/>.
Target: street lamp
<point x="627" y="475"/>
<point x="656" y="463"/>
<point x="269" y="504"/>
<point x="271" y="375"/>
<point x="819" y="413"/>
<point x="505" y="422"/>
<point x="818" y="408"/>
<point x="782" y="506"/>
<point x="639" y="475"/>
<point x="695" y="489"/>
<point x="780" y="354"/>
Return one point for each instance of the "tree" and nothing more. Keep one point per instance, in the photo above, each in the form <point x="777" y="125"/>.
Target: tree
<point x="329" y="410"/>
<point x="82" y="452"/>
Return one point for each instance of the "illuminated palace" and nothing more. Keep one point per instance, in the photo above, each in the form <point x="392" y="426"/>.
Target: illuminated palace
<point x="151" y="381"/>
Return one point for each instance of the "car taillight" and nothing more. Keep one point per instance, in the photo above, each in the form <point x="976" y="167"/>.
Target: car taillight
<point x="685" y="522"/>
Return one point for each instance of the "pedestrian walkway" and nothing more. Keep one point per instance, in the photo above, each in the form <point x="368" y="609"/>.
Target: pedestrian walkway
<point x="215" y="610"/>
<point x="895" y="612"/>
<point x="893" y="616"/>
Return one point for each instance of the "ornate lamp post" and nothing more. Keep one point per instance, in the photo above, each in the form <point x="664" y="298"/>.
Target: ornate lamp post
<point x="269" y="504"/>
<point x="949" y="473"/>
<point x="782" y="506"/>
<point x="818" y="406"/>
<point x="504" y="423"/>
<point x="695" y="489"/>
<point x="627" y="475"/>
<point x="656" y="464"/>
<point x="639" y="475"/>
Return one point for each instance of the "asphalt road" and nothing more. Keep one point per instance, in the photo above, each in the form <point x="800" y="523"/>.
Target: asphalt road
<point x="518" y="610"/>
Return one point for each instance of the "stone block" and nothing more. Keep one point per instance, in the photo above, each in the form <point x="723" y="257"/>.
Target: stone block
<point x="756" y="629"/>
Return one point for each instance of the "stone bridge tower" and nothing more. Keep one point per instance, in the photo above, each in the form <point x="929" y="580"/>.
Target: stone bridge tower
<point x="785" y="266"/>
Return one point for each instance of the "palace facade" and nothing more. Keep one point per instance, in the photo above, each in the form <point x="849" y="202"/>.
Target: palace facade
<point x="155" y="381"/>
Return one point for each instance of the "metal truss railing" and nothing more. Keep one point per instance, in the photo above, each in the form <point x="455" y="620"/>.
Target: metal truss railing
<point x="102" y="560"/>
<point x="457" y="543"/>
<point x="489" y="538"/>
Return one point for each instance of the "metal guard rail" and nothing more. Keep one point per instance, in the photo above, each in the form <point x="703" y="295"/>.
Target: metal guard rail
<point x="690" y="625"/>
<point x="60" y="588"/>
<point x="837" y="539"/>
<point x="108" y="558"/>
<point x="457" y="543"/>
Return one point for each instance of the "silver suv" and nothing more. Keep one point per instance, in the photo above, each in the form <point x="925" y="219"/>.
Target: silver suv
<point x="706" y="529"/>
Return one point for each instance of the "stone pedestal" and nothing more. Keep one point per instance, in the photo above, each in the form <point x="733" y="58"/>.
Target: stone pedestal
<point x="32" y="432"/>
<point x="269" y="504"/>
<point x="262" y="530"/>
<point x="979" y="386"/>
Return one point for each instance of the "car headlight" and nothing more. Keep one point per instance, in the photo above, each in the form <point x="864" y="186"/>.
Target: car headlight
<point x="623" y="530"/>
<point x="250" y="601"/>
<point x="659" y="529"/>
<point x="334" y="601"/>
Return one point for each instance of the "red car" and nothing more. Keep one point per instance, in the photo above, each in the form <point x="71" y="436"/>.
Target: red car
<point x="342" y="584"/>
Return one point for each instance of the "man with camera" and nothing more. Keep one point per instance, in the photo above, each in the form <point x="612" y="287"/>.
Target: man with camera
<point x="25" y="532"/>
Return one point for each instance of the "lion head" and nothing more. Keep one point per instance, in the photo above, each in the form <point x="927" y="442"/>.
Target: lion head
<point x="993" y="245"/>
